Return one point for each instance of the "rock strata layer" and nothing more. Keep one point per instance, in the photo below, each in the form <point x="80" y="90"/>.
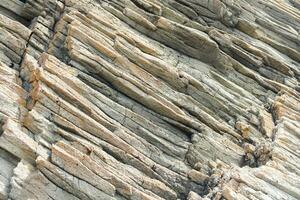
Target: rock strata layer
<point x="149" y="99"/>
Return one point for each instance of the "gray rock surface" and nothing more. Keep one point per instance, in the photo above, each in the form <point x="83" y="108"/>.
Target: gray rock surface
<point x="149" y="99"/>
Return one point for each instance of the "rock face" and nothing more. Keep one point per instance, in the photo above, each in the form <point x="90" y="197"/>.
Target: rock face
<point x="149" y="99"/>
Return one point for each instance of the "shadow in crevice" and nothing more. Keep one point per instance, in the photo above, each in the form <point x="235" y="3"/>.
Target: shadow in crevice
<point x="12" y="15"/>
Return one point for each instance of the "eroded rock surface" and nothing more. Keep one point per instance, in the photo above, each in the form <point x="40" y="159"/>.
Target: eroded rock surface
<point x="149" y="99"/>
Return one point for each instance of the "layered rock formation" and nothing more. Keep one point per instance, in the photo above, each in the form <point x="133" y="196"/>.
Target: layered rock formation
<point x="149" y="99"/>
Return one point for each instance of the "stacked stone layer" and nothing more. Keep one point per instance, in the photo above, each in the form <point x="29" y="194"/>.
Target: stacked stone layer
<point x="149" y="99"/>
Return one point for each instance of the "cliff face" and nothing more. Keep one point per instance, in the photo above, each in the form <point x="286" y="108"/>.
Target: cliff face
<point x="149" y="99"/>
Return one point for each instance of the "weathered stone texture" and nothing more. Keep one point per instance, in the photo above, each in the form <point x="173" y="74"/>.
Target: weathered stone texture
<point x="149" y="99"/>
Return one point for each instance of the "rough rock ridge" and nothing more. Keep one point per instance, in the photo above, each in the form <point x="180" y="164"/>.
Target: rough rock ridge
<point x="149" y="99"/>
